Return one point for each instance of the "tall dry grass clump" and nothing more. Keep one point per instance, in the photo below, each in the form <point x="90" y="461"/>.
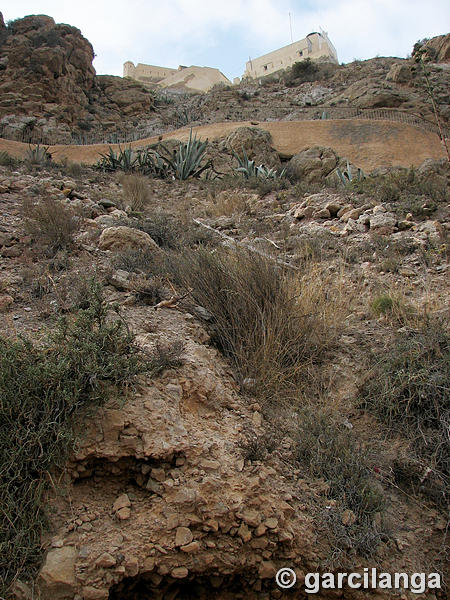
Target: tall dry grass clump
<point x="51" y="223"/>
<point x="275" y="325"/>
<point x="136" y="191"/>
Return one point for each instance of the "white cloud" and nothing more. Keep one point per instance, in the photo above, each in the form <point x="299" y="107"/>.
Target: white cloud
<point x="224" y="34"/>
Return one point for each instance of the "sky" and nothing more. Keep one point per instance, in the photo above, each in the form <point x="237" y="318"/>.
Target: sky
<point x="226" y="33"/>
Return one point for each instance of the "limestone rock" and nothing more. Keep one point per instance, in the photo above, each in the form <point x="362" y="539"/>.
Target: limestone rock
<point x="179" y="573"/>
<point x="313" y="164"/>
<point x="57" y="576"/>
<point x="122" y="501"/>
<point x="399" y="73"/>
<point x="267" y="569"/>
<point x="183" y="536"/>
<point x="382" y="220"/>
<point x="120" y="238"/>
<point x="256" y="143"/>
<point x="437" y="49"/>
<point x="92" y="593"/>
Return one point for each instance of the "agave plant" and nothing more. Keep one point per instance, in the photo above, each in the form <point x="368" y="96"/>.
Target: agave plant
<point x="249" y="169"/>
<point x="38" y="155"/>
<point x="348" y="176"/>
<point x="187" y="158"/>
<point x="151" y="163"/>
<point x="123" y="160"/>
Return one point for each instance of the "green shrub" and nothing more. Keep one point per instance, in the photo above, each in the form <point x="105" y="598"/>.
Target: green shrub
<point x="406" y="189"/>
<point x="301" y="71"/>
<point x="328" y="450"/>
<point x="407" y="388"/>
<point x="382" y="304"/>
<point x="42" y="391"/>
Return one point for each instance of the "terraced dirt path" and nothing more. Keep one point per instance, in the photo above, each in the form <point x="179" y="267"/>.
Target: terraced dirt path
<point x="366" y="143"/>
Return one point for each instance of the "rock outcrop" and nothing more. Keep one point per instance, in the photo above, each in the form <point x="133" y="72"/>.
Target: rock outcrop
<point x="49" y="87"/>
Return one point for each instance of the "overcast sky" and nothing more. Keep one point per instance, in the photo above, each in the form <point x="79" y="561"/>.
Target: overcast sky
<point x="225" y="33"/>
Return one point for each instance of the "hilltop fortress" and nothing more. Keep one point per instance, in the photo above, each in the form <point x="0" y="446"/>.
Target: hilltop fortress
<point x="314" y="46"/>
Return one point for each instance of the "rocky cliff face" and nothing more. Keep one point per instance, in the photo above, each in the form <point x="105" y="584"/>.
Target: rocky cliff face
<point x="48" y="84"/>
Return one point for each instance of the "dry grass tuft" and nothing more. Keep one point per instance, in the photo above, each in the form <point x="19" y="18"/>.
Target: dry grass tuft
<point x="51" y="223"/>
<point x="136" y="191"/>
<point x="274" y="325"/>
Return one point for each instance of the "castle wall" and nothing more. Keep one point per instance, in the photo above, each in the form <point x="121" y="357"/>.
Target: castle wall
<point x="200" y="79"/>
<point x="314" y="46"/>
<point x="146" y="73"/>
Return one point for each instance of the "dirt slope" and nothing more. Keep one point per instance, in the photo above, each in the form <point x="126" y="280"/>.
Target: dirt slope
<point x="368" y="144"/>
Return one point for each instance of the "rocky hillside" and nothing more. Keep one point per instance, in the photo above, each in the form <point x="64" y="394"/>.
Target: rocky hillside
<point x="288" y="406"/>
<point x="49" y="90"/>
<point x="208" y="374"/>
<point x="48" y="85"/>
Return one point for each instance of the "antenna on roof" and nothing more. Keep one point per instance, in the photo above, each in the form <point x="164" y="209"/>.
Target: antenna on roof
<point x="290" y="26"/>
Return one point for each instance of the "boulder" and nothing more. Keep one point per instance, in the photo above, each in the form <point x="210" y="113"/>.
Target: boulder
<point x="256" y="143"/>
<point x="57" y="576"/>
<point x="437" y="49"/>
<point x="313" y="164"/>
<point x="400" y="73"/>
<point x="121" y="238"/>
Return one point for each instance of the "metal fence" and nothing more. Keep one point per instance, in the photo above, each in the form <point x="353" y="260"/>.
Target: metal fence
<point x="125" y="135"/>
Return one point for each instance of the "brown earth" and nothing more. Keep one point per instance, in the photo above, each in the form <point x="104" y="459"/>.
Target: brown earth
<point x="368" y="144"/>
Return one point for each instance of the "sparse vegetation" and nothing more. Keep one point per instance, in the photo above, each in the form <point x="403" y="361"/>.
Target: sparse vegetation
<point x="184" y="162"/>
<point x="51" y="223"/>
<point x="406" y="189"/>
<point x="136" y="191"/>
<point x="272" y="324"/>
<point x="42" y="391"/>
<point x="330" y="451"/>
<point x="6" y="160"/>
<point x="349" y="176"/>
<point x="407" y="388"/>
<point x="248" y="169"/>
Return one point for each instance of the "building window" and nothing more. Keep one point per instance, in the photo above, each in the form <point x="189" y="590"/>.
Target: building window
<point x="300" y="52"/>
<point x="265" y="67"/>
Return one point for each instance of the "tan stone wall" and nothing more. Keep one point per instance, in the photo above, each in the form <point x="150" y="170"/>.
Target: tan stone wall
<point x="149" y="73"/>
<point x="314" y="46"/>
<point x="200" y="79"/>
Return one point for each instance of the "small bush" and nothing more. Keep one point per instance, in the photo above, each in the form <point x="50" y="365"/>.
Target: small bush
<point x="6" y="160"/>
<point x="134" y="261"/>
<point x="395" y="307"/>
<point x="173" y="234"/>
<point x="407" y="388"/>
<point x="166" y="356"/>
<point x="330" y="451"/>
<point x="42" y="390"/>
<point x="406" y="189"/>
<point x="51" y="223"/>
<point x="273" y="325"/>
<point x="302" y="71"/>
<point x="382" y="304"/>
<point x="136" y="191"/>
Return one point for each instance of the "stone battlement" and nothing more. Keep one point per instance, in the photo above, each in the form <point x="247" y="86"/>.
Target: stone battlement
<point x="315" y="46"/>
